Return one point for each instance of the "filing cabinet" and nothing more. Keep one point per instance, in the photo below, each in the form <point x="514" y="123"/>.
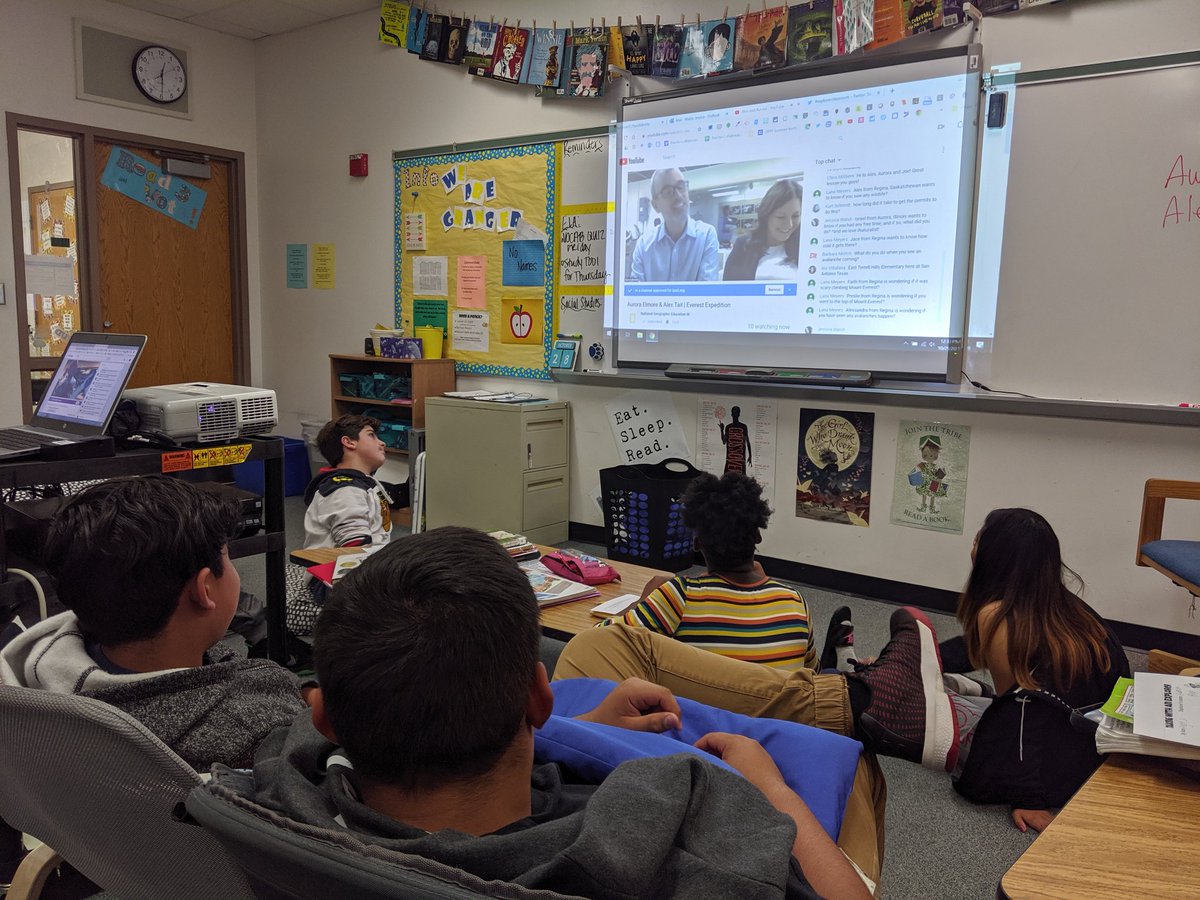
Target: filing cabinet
<point x="496" y="466"/>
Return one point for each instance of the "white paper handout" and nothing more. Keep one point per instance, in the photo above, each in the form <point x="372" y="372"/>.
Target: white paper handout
<point x="430" y="276"/>
<point x="1167" y="707"/>
<point x="469" y="330"/>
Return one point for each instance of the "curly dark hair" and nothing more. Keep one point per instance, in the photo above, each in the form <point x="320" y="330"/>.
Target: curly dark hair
<point x="727" y="515"/>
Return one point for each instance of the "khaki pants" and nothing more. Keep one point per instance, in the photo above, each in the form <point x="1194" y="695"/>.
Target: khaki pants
<point x="620" y="651"/>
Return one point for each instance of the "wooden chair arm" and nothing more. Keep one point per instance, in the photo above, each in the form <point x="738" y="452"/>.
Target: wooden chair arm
<point x="33" y="872"/>
<point x="1169" y="663"/>
<point x="1154" y="501"/>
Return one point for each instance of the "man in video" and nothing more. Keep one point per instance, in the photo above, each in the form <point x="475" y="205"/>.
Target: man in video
<point x="679" y="248"/>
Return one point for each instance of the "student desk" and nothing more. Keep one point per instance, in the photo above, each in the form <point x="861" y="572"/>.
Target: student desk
<point x="563" y="621"/>
<point x="1130" y="831"/>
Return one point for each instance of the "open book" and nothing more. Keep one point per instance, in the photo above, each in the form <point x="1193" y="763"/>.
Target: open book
<point x="552" y="590"/>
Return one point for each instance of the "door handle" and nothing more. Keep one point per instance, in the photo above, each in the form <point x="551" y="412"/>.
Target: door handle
<point x="107" y="324"/>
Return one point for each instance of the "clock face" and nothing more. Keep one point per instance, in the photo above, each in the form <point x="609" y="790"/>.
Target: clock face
<point x="159" y="74"/>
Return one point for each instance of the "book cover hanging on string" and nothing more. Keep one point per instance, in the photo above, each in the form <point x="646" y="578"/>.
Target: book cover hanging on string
<point x="761" y="39"/>
<point x="546" y="58"/>
<point x="637" y="42"/>
<point x="512" y="46"/>
<point x="481" y="47"/>
<point x="588" y="47"/>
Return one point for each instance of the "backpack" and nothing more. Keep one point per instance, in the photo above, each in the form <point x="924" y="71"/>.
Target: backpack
<point x="584" y="569"/>
<point x="1031" y="750"/>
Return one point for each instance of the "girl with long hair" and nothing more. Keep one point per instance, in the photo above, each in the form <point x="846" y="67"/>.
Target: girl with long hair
<point x="1048" y="653"/>
<point x="770" y="252"/>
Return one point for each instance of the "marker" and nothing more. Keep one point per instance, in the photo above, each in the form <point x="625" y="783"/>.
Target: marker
<point x="1189" y="405"/>
<point x="572" y="337"/>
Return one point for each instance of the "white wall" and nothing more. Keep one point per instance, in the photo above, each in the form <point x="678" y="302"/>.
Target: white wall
<point x="37" y="78"/>
<point x="331" y="90"/>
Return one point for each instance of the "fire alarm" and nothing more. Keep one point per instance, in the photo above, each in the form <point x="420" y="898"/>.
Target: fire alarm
<point x="358" y="165"/>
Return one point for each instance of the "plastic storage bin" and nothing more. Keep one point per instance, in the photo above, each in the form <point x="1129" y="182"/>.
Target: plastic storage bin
<point x="296" y="472"/>
<point x="643" y="513"/>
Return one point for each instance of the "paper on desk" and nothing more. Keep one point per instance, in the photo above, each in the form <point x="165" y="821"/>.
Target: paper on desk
<point x="1167" y="707"/>
<point x="616" y="606"/>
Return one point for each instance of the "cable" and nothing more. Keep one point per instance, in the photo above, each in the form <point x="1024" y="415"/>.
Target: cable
<point x="984" y="387"/>
<point x="37" y="589"/>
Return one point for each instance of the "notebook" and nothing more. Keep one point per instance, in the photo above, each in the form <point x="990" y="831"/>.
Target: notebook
<point x="82" y="394"/>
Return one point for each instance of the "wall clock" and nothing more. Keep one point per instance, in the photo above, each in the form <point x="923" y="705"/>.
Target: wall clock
<point x="159" y="74"/>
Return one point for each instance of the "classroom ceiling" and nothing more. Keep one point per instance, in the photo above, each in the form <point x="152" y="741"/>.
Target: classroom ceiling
<point x="252" y="19"/>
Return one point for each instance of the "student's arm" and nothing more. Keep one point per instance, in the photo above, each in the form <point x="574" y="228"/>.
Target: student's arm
<point x="350" y="518"/>
<point x="654" y="584"/>
<point x="825" y="866"/>
<point x="660" y="610"/>
<point x="638" y="706"/>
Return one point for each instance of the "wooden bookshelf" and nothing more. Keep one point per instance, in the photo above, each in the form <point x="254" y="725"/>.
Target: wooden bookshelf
<point x="429" y="378"/>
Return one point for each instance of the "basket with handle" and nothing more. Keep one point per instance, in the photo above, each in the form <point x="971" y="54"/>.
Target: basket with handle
<point x="643" y="513"/>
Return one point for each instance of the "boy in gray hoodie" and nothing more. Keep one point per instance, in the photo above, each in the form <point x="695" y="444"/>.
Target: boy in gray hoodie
<point x="421" y="740"/>
<point x="143" y="567"/>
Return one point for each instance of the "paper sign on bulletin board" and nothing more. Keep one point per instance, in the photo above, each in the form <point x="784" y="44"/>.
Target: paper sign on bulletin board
<point x="474" y="203"/>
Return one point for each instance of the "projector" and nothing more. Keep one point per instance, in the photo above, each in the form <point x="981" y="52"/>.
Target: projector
<point x="203" y="411"/>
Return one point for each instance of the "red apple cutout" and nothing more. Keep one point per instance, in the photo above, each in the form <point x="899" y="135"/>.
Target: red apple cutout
<point x="521" y="322"/>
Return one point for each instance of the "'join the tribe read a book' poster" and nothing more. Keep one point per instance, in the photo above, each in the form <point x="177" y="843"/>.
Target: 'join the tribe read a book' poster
<point x="931" y="476"/>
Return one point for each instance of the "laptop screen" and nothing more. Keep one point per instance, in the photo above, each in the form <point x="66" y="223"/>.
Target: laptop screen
<point x="88" y="382"/>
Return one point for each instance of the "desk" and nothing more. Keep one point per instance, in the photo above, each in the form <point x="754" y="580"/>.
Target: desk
<point x="271" y="542"/>
<point x="563" y="621"/>
<point x="1130" y="831"/>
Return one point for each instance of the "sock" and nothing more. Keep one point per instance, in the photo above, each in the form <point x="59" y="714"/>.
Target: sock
<point x="845" y="656"/>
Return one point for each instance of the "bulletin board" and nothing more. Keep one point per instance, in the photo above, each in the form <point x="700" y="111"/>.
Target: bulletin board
<point x="472" y="239"/>
<point x="52" y="220"/>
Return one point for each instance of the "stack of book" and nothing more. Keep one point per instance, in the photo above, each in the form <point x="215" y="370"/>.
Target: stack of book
<point x="552" y="590"/>
<point x="517" y="545"/>
<point x="1160" y="718"/>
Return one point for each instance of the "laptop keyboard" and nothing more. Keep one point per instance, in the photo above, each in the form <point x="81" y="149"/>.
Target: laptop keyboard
<point x="16" y="439"/>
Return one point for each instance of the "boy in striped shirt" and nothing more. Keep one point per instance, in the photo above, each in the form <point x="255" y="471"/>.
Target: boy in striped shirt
<point x="733" y="609"/>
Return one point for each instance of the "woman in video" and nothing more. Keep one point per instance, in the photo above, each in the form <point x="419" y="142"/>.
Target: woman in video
<point x="771" y="251"/>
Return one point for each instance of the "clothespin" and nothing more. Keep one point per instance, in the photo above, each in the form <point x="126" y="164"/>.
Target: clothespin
<point x="639" y="21"/>
<point x="518" y="23"/>
<point x="504" y="24"/>
<point x="592" y="24"/>
<point x="697" y="20"/>
<point x="657" y="22"/>
<point x="681" y="19"/>
<point x="725" y="15"/>
<point x="618" y="21"/>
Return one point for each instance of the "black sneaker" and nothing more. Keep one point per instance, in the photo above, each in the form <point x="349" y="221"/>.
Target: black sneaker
<point x="840" y="633"/>
<point x="909" y="715"/>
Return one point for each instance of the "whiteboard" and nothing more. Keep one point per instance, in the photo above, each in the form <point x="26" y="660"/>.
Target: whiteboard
<point x="1099" y="280"/>
<point x="583" y="229"/>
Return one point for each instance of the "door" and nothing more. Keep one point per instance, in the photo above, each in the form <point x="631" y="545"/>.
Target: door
<point x="159" y="277"/>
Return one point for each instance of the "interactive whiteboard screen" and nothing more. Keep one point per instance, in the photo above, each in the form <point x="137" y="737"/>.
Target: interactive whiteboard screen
<point x="820" y="221"/>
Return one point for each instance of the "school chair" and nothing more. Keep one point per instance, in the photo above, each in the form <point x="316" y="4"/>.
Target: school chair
<point x="1178" y="560"/>
<point x="105" y="795"/>
<point x="288" y="860"/>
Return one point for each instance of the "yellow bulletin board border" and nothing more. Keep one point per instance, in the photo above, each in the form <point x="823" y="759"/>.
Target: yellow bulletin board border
<point x="438" y="161"/>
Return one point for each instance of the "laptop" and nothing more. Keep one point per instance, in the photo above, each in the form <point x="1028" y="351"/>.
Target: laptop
<point x="81" y="397"/>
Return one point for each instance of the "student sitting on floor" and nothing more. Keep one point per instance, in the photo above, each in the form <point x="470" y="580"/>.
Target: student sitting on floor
<point x="431" y="692"/>
<point x="143" y="566"/>
<point x="733" y="609"/>
<point x="1034" y="635"/>
<point x="347" y="506"/>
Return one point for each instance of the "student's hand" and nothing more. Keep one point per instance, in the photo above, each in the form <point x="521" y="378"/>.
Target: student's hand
<point x="654" y="584"/>
<point x="748" y="757"/>
<point x="1037" y="819"/>
<point x="638" y="706"/>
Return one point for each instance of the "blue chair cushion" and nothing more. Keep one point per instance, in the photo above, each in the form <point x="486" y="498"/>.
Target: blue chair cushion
<point x="818" y="765"/>
<point x="1180" y="557"/>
